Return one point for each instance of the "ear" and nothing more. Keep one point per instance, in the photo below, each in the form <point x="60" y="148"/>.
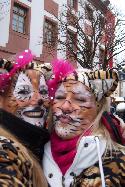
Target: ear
<point x="103" y="83"/>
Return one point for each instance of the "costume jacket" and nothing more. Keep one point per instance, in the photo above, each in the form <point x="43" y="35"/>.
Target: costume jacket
<point x="91" y="167"/>
<point x="15" y="168"/>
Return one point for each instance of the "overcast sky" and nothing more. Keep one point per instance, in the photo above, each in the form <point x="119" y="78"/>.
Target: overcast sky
<point x="120" y="4"/>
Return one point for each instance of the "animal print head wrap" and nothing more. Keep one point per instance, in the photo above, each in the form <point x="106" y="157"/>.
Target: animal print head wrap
<point x="22" y="61"/>
<point x="101" y="83"/>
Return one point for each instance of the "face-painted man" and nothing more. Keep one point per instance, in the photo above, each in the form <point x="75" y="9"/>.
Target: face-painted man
<point x="24" y="100"/>
<point x="27" y="97"/>
<point x="27" y="94"/>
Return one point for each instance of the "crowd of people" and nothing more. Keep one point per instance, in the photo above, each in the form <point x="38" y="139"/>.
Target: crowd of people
<point x="56" y="128"/>
<point x="118" y="108"/>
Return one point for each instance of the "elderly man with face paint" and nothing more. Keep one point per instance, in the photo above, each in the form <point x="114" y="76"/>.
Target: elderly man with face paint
<point x="86" y="145"/>
<point x="24" y="107"/>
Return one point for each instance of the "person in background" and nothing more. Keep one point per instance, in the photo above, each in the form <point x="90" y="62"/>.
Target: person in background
<point x="24" y="107"/>
<point x="120" y="110"/>
<point x="113" y="106"/>
<point x="84" y="148"/>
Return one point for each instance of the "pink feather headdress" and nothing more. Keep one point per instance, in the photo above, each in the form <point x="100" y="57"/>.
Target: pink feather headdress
<point x="20" y="61"/>
<point x="61" y="69"/>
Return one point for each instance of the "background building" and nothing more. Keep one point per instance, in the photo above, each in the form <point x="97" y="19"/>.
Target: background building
<point x="32" y="24"/>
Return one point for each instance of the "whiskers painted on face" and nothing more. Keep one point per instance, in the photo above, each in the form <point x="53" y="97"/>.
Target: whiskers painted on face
<point x="73" y="131"/>
<point x="79" y="128"/>
<point x="74" y="125"/>
<point x="71" y="127"/>
<point x="19" y="114"/>
<point x="73" y="118"/>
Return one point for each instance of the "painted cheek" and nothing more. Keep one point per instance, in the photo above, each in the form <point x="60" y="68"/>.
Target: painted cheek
<point x="55" y="108"/>
<point x="23" y="103"/>
<point x="90" y="113"/>
<point x="54" y="104"/>
<point x="11" y="105"/>
<point x="59" y="104"/>
<point x="46" y="103"/>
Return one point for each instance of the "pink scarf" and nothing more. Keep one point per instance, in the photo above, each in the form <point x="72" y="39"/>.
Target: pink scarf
<point x="63" y="151"/>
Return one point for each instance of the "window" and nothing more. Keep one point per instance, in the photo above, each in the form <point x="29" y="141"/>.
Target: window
<point x="88" y="13"/>
<point x="49" y="32"/>
<point x="73" y="4"/>
<point x="19" y="18"/>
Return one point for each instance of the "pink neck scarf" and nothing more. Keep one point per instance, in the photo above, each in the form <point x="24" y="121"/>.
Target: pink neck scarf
<point x="63" y="151"/>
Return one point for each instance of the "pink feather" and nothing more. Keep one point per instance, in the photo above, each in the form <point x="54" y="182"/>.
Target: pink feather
<point x="61" y="69"/>
<point x="21" y="60"/>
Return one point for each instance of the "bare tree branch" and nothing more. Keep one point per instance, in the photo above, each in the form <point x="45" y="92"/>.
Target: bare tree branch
<point x="82" y="39"/>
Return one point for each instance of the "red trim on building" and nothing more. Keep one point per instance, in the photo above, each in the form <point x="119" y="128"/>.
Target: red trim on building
<point x="17" y="41"/>
<point x="51" y="7"/>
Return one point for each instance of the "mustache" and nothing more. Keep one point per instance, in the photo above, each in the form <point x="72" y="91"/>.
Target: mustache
<point x="72" y="118"/>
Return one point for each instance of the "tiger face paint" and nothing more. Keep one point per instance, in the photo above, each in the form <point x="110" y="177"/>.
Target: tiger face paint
<point x="27" y="97"/>
<point x="74" y="109"/>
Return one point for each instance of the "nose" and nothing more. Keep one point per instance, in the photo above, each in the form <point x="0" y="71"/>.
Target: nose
<point x="40" y="102"/>
<point x="66" y="106"/>
<point x="36" y="99"/>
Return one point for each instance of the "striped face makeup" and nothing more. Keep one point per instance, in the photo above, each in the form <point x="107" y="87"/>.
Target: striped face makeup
<point x="74" y="109"/>
<point x="27" y="97"/>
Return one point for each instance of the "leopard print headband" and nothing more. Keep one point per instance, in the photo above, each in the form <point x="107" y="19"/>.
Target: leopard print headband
<point x="102" y="83"/>
<point x="22" y="62"/>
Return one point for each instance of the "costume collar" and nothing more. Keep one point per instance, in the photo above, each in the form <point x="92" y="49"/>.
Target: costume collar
<point x="64" y="151"/>
<point x="86" y="156"/>
<point x="31" y="136"/>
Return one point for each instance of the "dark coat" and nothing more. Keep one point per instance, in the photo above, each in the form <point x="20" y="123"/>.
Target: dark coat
<point x="31" y="136"/>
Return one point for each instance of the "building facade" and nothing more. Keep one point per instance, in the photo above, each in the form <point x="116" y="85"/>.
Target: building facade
<point x="26" y="24"/>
